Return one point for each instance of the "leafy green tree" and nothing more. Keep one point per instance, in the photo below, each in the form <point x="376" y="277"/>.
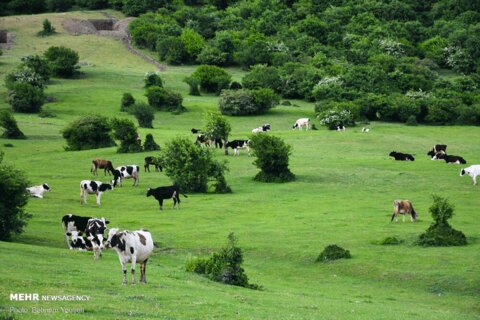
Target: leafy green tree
<point x="8" y="122"/>
<point x="212" y="79"/>
<point x="164" y="99"/>
<point x="143" y="113"/>
<point x="64" y="61"/>
<point x="192" y="42"/>
<point x="212" y="56"/>
<point x="13" y="199"/>
<point x="126" y="132"/>
<point x="172" y="50"/>
<point x="263" y="76"/>
<point x="217" y="127"/>
<point x="26" y="98"/>
<point x="190" y="166"/>
<point x="272" y="157"/>
<point x="127" y="101"/>
<point x="59" y="5"/>
<point x="193" y="84"/>
<point x="153" y="79"/>
<point x="88" y="132"/>
<point x="38" y="64"/>
<point x="150" y="144"/>
<point x="247" y="102"/>
<point x="48" y="29"/>
<point x="433" y="48"/>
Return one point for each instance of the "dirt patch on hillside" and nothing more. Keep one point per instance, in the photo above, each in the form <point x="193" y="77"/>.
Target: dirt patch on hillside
<point x="109" y="27"/>
<point x="7" y="39"/>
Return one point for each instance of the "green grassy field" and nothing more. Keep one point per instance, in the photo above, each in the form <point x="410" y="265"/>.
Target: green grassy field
<point x="343" y="194"/>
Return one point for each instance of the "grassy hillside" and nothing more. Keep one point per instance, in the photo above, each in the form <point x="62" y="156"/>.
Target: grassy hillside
<point x="344" y="192"/>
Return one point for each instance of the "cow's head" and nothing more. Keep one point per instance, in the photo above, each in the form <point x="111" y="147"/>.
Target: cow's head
<point x="115" y="239"/>
<point x="430" y="153"/>
<point x="95" y="229"/>
<point x="149" y="192"/>
<point x="76" y="238"/>
<point x="392" y="154"/>
<point x="462" y="172"/>
<point x="117" y="176"/>
<point x="104" y="187"/>
<point x="295" y="126"/>
<point x="46" y="187"/>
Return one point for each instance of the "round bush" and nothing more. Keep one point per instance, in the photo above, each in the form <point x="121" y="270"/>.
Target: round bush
<point x="153" y="79"/>
<point x="26" y="98"/>
<point x="126" y="132"/>
<point x="150" y="144"/>
<point x="164" y="99"/>
<point x="144" y="114"/>
<point x="127" y="101"/>
<point x="333" y="252"/>
<point x="88" y="132"/>
<point x="212" y="78"/>
<point x="247" y="102"/>
<point x="63" y="61"/>
<point x="8" y="122"/>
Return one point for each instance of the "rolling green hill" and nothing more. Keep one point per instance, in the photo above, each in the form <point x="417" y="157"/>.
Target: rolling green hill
<point x="343" y="194"/>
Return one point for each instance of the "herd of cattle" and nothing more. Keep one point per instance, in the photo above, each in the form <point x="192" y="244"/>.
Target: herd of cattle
<point x="87" y="233"/>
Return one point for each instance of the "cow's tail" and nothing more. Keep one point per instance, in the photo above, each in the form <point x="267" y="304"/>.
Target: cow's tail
<point x="185" y="195"/>
<point x="393" y="216"/>
<point x="414" y="214"/>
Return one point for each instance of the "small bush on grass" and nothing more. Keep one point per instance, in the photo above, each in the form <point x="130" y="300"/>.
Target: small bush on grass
<point x="64" y="61"/>
<point x="193" y="84"/>
<point x="333" y="252"/>
<point x="13" y="199"/>
<point x="48" y="29"/>
<point x="224" y="266"/>
<point x="190" y="166"/>
<point x="333" y="118"/>
<point x="8" y="122"/>
<point x="38" y="64"/>
<point x="390" y="241"/>
<point x="144" y="114"/>
<point x="440" y="232"/>
<point x="26" y="98"/>
<point x="212" y="79"/>
<point x="152" y="79"/>
<point x="164" y="99"/>
<point x="88" y="132"/>
<point x="127" y="101"/>
<point x="272" y="158"/>
<point x="150" y="144"/>
<point x="217" y="127"/>
<point x="126" y="132"/>
<point x="246" y="102"/>
<point x="411" y="121"/>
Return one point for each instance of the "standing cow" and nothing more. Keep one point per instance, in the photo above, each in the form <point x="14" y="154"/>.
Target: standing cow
<point x="93" y="228"/>
<point x="126" y="172"/>
<point x="302" y="122"/>
<point x="93" y="187"/>
<point x="135" y="246"/>
<point x="403" y="207"/>
<point x="106" y="165"/>
<point x="162" y="193"/>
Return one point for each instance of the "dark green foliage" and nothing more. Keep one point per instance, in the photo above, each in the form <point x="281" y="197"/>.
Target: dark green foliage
<point x="143" y="113"/>
<point x="88" y="132"/>
<point x="93" y="4"/>
<point x="217" y="127"/>
<point x="212" y="56"/>
<point x="136" y="7"/>
<point x="25" y="6"/>
<point x="272" y="156"/>
<point x="8" y="122"/>
<point x="411" y="121"/>
<point x="224" y="266"/>
<point x="38" y="64"/>
<point x="150" y="144"/>
<point x="164" y="99"/>
<point x="440" y="232"/>
<point x="262" y="76"/>
<point x="26" y="98"/>
<point x="193" y="84"/>
<point x="212" y="79"/>
<point x="190" y="166"/>
<point x="59" y="5"/>
<point x="126" y="132"/>
<point x="25" y="75"/>
<point x="235" y="85"/>
<point x="337" y="116"/>
<point x="247" y="102"/>
<point x="171" y="49"/>
<point x="48" y="29"/>
<point x="153" y="79"/>
<point x="13" y="198"/>
<point x="64" y="61"/>
<point x="127" y="101"/>
<point x="390" y="241"/>
<point x="333" y="252"/>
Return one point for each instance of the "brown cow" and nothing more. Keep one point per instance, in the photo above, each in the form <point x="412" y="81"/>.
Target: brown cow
<point x="403" y="207"/>
<point x="106" y="165"/>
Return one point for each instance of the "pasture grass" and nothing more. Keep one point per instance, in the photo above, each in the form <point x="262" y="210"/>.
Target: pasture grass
<point x="343" y="195"/>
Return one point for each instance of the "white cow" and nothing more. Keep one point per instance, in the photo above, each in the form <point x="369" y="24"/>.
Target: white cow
<point x="37" y="191"/>
<point x="92" y="187"/>
<point x="365" y="130"/>
<point x="302" y="122"/>
<point x="131" y="246"/>
<point x="126" y="172"/>
<point x="472" y="171"/>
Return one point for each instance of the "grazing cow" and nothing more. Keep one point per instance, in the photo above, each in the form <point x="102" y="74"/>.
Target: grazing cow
<point x="203" y="141"/>
<point x="154" y="161"/>
<point x="38" y="191"/>
<point x="79" y="241"/>
<point x="472" y="171"/>
<point x="126" y="172"/>
<point x="238" y="144"/>
<point x="162" y="193"/>
<point x="455" y="159"/>
<point x="93" y="187"/>
<point x="106" y="165"/>
<point x="93" y="228"/>
<point x="365" y="130"/>
<point x="341" y="128"/>
<point x="302" y="122"/>
<point x="195" y="131"/>
<point x="401" y="156"/>
<point x="131" y="246"/>
<point x="441" y="155"/>
<point x="403" y="207"/>
<point x="266" y="127"/>
<point x="436" y="149"/>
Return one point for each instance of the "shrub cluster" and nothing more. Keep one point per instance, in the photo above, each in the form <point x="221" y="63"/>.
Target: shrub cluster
<point x="127" y="101"/>
<point x="272" y="156"/>
<point x="164" y="99"/>
<point x="64" y="61"/>
<point x="126" y="132"/>
<point x="440" y="232"/>
<point x="88" y="132"/>
<point x="333" y="252"/>
<point x="144" y="114"/>
<point x="224" y="266"/>
<point x="211" y="79"/>
<point x="247" y="102"/>
<point x="150" y="144"/>
<point x="8" y="122"/>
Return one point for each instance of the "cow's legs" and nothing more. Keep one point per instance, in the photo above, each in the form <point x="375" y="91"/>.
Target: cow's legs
<point x="134" y="260"/>
<point x="98" y="198"/>
<point x="474" y="180"/>
<point x="404" y="217"/>
<point x="144" y="271"/>
<point x="124" y="269"/>
<point x="68" y="242"/>
<point x="161" y="204"/>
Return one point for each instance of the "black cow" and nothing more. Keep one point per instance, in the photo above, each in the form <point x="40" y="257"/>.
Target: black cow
<point x="162" y="193"/>
<point x="401" y="156"/>
<point x="195" y="131"/>
<point x="152" y="161"/>
<point x="455" y="159"/>
<point x="71" y="223"/>
<point x="238" y="144"/>
<point x="436" y="149"/>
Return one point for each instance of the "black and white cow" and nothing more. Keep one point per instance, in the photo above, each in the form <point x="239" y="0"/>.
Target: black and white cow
<point x="455" y="159"/>
<point x="162" y="193"/>
<point x="203" y="141"/>
<point x="441" y="155"/>
<point x="302" y="122"/>
<point x="38" y="191"/>
<point x="436" y="149"/>
<point x="341" y="128"/>
<point x="401" y="156"/>
<point x="93" y="187"/>
<point x="131" y="246"/>
<point x="238" y="144"/>
<point x="266" y="127"/>
<point x="126" y="172"/>
<point x="152" y="161"/>
<point x="472" y="171"/>
<point x="365" y="130"/>
<point x="76" y="227"/>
